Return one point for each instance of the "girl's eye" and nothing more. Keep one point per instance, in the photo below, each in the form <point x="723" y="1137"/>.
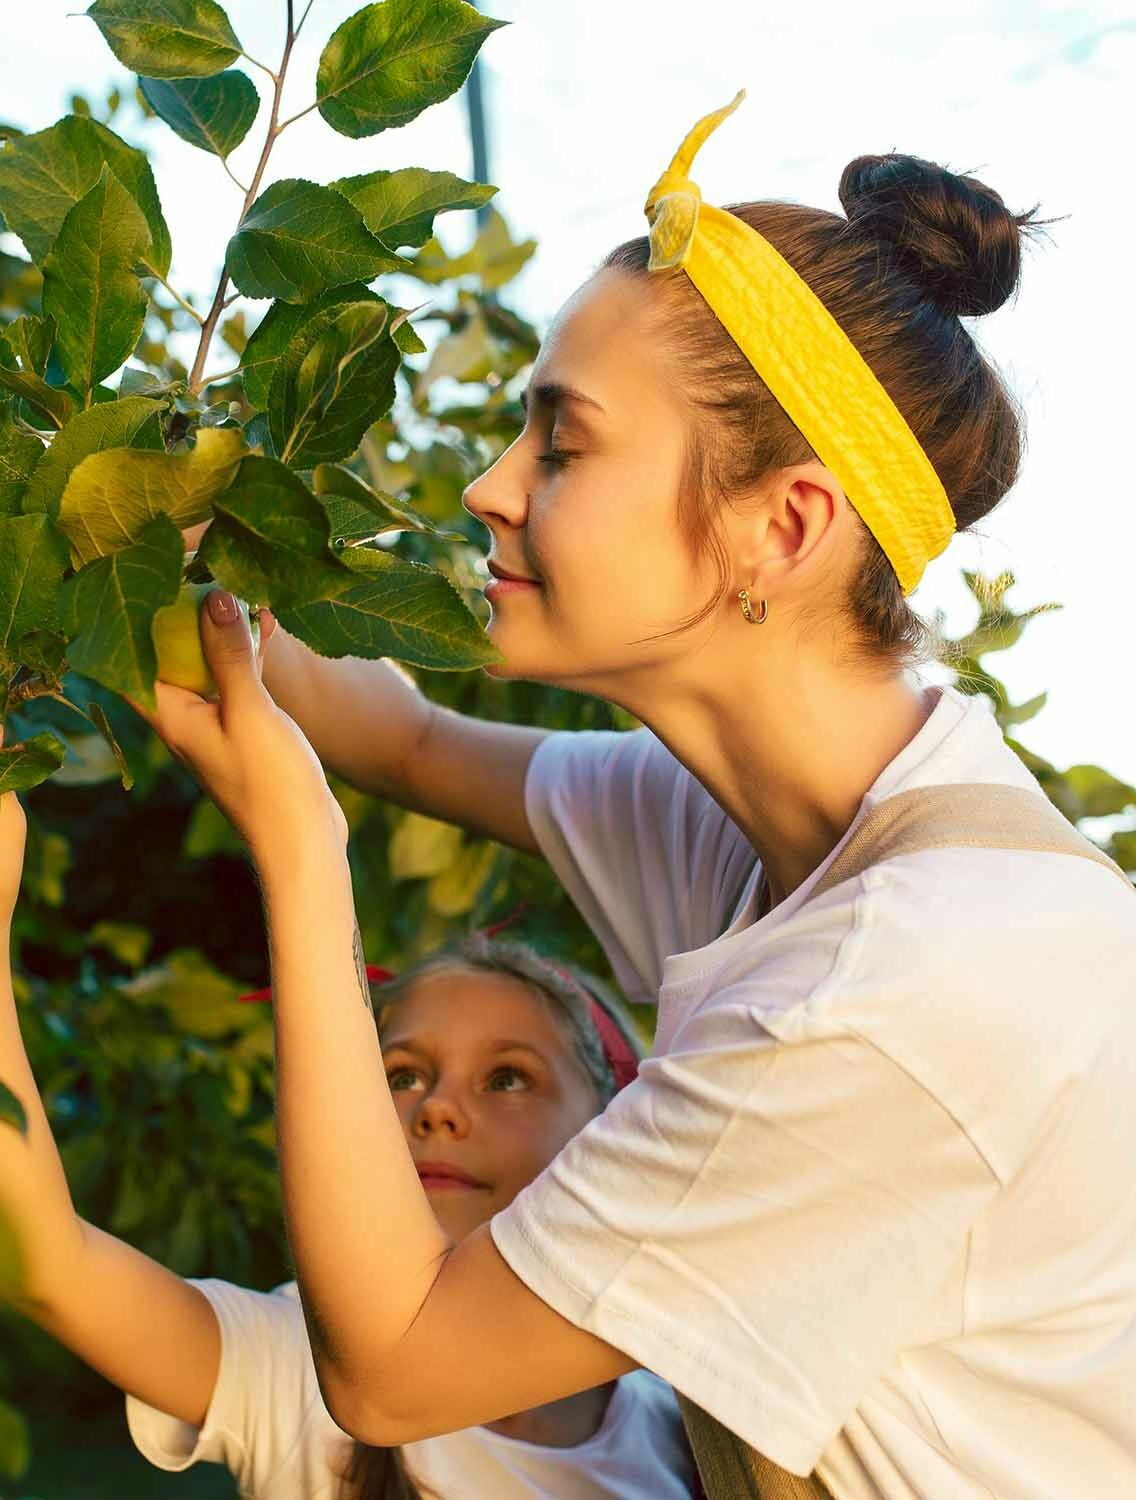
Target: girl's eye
<point x="516" y="1073"/>
<point x="396" y="1073"/>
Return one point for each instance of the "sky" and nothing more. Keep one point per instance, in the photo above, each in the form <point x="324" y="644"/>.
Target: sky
<point x="588" y="99"/>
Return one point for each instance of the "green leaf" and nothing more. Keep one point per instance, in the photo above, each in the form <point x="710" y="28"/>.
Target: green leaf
<point x="471" y="353"/>
<point x="46" y="863"/>
<point x="167" y="38"/>
<point x="298" y="239"/>
<point x="400" y="206"/>
<point x="98" y="717"/>
<point x="395" y="608"/>
<point x="90" y="761"/>
<point x="15" y="1443"/>
<point x="1122" y="847"/>
<point x="11" y="1110"/>
<point x="276" y="330"/>
<point x="20" y="452"/>
<point x="126" y="940"/>
<point x="30" y="339"/>
<point x="214" y="114"/>
<point x="55" y="404"/>
<point x="25" y="765"/>
<point x="405" y="335"/>
<point x="388" y="62"/>
<point x="112" y="603"/>
<point x="33" y="557"/>
<point x="269" y="539"/>
<point x="209" y="832"/>
<point x="199" y="1000"/>
<point x="43" y="176"/>
<point x="333" y="481"/>
<point x="1099" y="793"/>
<point x="90" y="285"/>
<point x="42" y="651"/>
<point x="111" y="496"/>
<point x="132" y="422"/>
<point x="1021" y="713"/>
<point x="335" y="378"/>
<point x="494" y="258"/>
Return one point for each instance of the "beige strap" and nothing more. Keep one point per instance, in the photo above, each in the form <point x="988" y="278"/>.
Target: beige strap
<point x="732" y="1470"/>
<point x="972" y="815"/>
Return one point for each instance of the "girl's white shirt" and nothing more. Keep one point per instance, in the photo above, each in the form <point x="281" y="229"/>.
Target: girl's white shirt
<point x="268" y="1424"/>
<point x="872" y="1200"/>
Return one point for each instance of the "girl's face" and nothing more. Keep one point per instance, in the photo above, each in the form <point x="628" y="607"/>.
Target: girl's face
<point x="585" y="501"/>
<point x="484" y="1079"/>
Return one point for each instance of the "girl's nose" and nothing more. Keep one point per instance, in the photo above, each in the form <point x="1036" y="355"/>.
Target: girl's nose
<point x="441" y="1110"/>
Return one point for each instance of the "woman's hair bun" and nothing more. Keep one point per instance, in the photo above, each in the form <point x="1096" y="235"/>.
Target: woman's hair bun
<point x="953" y="233"/>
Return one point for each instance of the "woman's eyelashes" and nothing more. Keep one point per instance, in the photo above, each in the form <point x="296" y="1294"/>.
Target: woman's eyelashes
<point x="555" y="458"/>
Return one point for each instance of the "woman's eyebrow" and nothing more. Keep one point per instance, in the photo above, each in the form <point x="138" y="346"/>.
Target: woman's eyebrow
<point x="549" y="392"/>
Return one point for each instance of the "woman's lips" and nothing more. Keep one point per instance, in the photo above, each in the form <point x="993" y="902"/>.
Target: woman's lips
<point x="498" y="586"/>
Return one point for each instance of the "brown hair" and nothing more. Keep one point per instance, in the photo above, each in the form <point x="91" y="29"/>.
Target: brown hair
<point x="920" y="248"/>
<point x="376" y="1473"/>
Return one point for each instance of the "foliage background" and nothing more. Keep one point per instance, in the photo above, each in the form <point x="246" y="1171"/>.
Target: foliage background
<point x="140" y="920"/>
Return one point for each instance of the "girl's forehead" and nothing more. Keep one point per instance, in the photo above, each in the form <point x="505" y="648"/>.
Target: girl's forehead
<point x="466" y="1005"/>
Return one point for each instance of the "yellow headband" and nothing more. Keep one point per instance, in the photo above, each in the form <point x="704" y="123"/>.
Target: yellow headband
<point x="811" y="367"/>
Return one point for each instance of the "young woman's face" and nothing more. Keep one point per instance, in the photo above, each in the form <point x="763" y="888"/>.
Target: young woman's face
<point x="585" y="502"/>
<point x="484" y="1079"/>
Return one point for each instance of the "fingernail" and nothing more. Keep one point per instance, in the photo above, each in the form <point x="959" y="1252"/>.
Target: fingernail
<point x="222" y="607"/>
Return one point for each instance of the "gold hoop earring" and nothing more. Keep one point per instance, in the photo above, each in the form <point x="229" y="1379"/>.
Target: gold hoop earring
<point x="763" y="608"/>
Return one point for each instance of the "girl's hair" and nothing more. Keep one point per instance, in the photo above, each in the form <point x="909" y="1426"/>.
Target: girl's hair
<point x="380" y="1473"/>
<point x="920" y="248"/>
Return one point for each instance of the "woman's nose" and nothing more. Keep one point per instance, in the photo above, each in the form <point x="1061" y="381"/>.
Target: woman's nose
<point x="498" y="495"/>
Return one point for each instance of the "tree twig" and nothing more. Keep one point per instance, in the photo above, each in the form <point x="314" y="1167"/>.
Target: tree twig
<point x="223" y="378"/>
<point x="291" y="120"/>
<point x="304" y="17"/>
<point x="233" y="176"/>
<point x="176" y="295"/>
<point x="273" y="131"/>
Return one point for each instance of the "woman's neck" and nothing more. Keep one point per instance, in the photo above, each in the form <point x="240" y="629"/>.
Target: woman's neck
<point x="789" y="758"/>
<point x="560" y="1424"/>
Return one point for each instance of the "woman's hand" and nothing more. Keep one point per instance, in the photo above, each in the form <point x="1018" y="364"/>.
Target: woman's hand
<point x="248" y="754"/>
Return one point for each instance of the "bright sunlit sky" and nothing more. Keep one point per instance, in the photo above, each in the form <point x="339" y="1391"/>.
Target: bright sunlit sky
<point x="586" y="103"/>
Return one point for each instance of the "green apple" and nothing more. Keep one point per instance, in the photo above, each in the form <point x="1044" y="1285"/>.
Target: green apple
<point x="177" y="640"/>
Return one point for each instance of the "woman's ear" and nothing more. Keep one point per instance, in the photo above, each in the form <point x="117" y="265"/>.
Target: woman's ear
<point x="799" y="525"/>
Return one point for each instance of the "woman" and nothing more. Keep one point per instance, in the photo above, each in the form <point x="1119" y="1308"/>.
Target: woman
<point x="870" y="1202"/>
<point x="494" y="1059"/>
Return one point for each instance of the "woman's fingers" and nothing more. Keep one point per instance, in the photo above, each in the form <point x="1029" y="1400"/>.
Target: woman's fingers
<point x="267" y="622"/>
<point x="227" y="640"/>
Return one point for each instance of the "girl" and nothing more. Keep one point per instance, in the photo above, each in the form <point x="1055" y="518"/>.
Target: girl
<point x="494" y="1061"/>
<point x="870" y="1203"/>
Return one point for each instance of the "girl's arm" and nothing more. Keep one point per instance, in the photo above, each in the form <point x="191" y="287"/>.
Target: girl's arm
<point x="398" y="1316"/>
<point x="148" y="1331"/>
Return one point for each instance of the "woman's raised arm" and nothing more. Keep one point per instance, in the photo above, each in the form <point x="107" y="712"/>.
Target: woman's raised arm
<point x="369" y="723"/>
<point x="148" y="1331"/>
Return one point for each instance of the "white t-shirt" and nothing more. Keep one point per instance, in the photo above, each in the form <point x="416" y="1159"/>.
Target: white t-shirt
<point x="872" y="1200"/>
<point x="268" y="1424"/>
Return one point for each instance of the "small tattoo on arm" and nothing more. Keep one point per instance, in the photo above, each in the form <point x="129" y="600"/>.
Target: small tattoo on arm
<point x="361" y="968"/>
